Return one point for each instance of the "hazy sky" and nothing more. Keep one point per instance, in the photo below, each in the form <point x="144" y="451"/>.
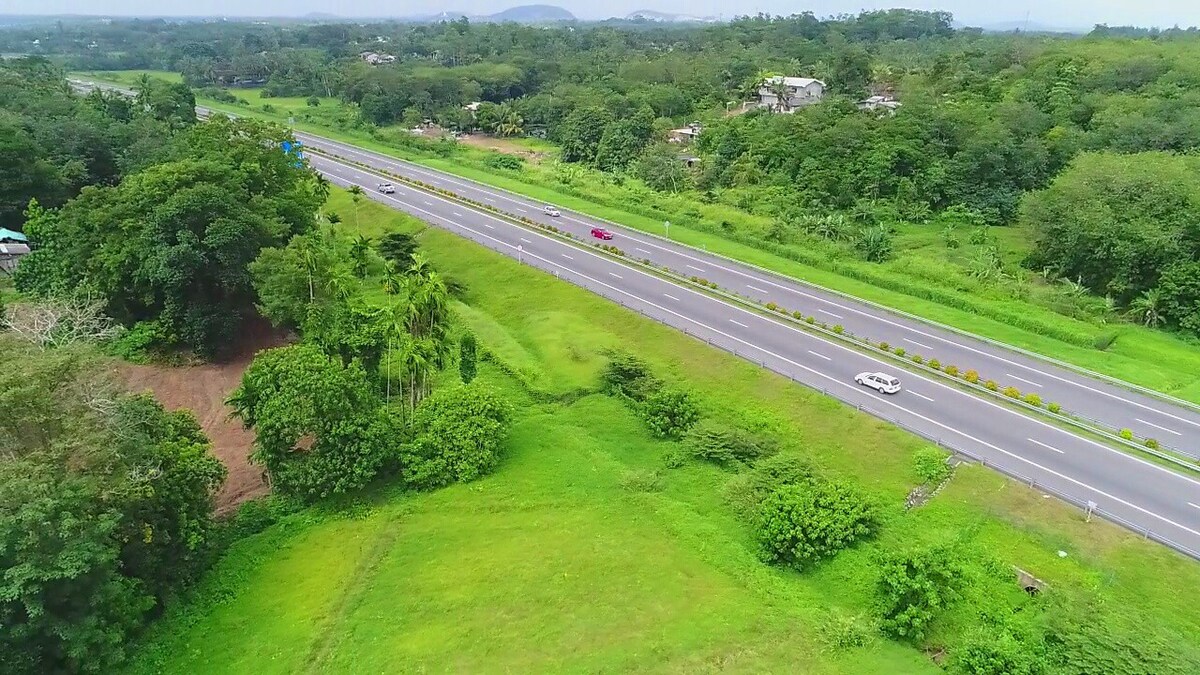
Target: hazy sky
<point x="1054" y="12"/>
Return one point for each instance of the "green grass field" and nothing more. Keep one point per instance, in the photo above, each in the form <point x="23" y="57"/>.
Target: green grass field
<point x="556" y="563"/>
<point x="1150" y="358"/>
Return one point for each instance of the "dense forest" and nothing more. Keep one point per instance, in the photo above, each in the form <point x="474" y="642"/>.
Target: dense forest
<point x="988" y="131"/>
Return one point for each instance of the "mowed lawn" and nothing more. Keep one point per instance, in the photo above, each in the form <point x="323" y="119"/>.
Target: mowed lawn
<point x="584" y="553"/>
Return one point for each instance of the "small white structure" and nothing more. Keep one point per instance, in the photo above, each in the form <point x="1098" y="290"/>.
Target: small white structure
<point x="800" y="91"/>
<point x="10" y="254"/>
<point x="375" y="58"/>
<point x="686" y="134"/>
<point x="882" y="103"/>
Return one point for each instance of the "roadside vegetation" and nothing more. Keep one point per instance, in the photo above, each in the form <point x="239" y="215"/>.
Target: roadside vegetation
<point x="661" y="493"/>
<point x="939" y="209"/>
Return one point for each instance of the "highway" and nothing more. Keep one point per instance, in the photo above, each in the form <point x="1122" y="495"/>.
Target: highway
<point x="1174" y="426"/>
<point x="1144" y="495"/>
<point x="1139" y="494"/>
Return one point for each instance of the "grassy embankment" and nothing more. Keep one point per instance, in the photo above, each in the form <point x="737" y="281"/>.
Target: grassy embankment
<point x="926" y="278"/>
<point x="559" y="563"/>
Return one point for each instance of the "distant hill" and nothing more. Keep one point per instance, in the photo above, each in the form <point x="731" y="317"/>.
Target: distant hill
<point x="666" y="17"/>
<point x="1028" y="27"/>
<point x="532" y="14"/>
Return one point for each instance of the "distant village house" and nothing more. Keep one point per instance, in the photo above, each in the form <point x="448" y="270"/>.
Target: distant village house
<point x="686" y="134"/>
<point x="798" y="92"/>
<point x="13" y="246"/>
<point x="879" y="103"/>
<point x="375" y="58"/>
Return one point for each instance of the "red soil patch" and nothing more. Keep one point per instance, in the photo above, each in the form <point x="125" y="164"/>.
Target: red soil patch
<point x="203" y="389"/>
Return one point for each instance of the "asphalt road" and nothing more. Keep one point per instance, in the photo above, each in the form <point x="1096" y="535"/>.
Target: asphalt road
<point x="1174" y="426"/>
<point x="1144" y="495"/>
<point x="1141" y="495"/>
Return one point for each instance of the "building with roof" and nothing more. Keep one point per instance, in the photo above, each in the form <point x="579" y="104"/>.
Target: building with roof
<point x="10" y="254"/>
<point x="885" y="104"/>
<point x="785" y="94"/>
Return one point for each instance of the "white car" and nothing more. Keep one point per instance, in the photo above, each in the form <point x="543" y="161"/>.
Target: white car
<point x="551" y="211"/>
<point x="387" y="188"/>
<point x="880" y="382"/>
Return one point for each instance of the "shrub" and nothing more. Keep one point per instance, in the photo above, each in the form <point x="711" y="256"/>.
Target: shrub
<point x="1126" y="434"/>
<point x="1054" y="408"/>
<point x="797" y="315"/>
<point x="1012" y="392"/>
<point x="935" y="364"/>
<point x="991" y="385"/>
<point x="915" y="585"/>
<point x="838" y="329"/>
<point x="917" y="359"/>
<point x="1105" y="340"/>
<point x="952" y="371"/>
<point x="899" y="351"/>
<point x="885" y="346"/>
<point x="670" y="412"/>
<point x="502" y="161"/>
<point x="930" y="465"/>
<point x="722" y="444"/>
<point x="627" y="375"/>
<point x="467" y="358"/>
<point x="997" y="651"/>
<point x="459" y="433"/>
<point x="801" y="524"/>
<point x="971" y="376"/>
<point x="312" y="101"/>
<point x="772" y="306"/>
<point x="642" y="480"/>
<point x="1152" y="444"/>
<point x="810" y="320"/>
<point x="1033" y="399"/>
<point x="745" y="492"/>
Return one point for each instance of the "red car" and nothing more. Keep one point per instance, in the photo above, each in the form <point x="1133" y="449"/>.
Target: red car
<point x="601" y="233"/>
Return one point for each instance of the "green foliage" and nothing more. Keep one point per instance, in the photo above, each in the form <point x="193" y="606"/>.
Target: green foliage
<point x="458" y="434"/>
<point x="670" y="412"/>
<point x="1054" y="408"/>
<point x="914" y="587"/>
<point x="930" y="465"/>
<point x="1012" y="392"/>
<point x="997" y="651"/>
<point x="1032" y="399"/>
<point x="800" y="524"/>
<point x="172" y="243"/>
<point x="499" y="160"/>
<point x="627" y="375"/>
<point x="104" y="513"/>
<point x="1125" y="434"/>
<point x="725" y="445"/>
<point x="320" y="428"/>
<point x="971" y="376"/>
<point x="659" y="167"/>
<point x="467" y="367"/>
<point x="874" y="244"/>
<point x="398" y="248"/>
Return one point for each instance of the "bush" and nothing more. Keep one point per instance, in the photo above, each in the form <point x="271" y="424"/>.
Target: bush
<point x="724" y="445"/>
<point x="900" y="351"/>
<point x="1105" y="340"/>
<point x="838" y="329"/>
<point x="499" y="160"/>
<point x="930" y="465"/>
<point x="917" y="359"/>
<point x="1012" y="392"/>
<point x="971" y="376"/>
<point x="885" y="346"/>
<point x="810" y="320"/>
<point x="1033" y="400"/>
<point x="627" y="375"/>
<point x="996" y="651"/>
<point x="797" y="315"/>
<point x="1152" y="444"/>
<point x="772" y="306"/>
<point x="458" y="433"/>
<point x="745" y="492"/>
<point x="312" y="101"/>
<point x="952" y="371"/>
<point x="670" y="412"/>
<point x="991" y="385"/>
<point x="914" y="586"/>
<point x="1126" y="434"/>
<point x="935" y="364"/>
<point x="1054" y="408"/>
<point x="801" y="524"/>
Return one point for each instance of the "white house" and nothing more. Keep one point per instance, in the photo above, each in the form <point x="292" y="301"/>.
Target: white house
<point x="801" y="91"/>
<point x="686" y="134"/>
<point x="886" y="104"/>
<point x="376" y="59"/>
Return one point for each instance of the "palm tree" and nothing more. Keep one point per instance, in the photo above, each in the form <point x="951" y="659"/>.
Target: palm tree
<point x="781" y="92"/>
<point x="321" y="187"/>
<point x="360" y="256"/>
<point x="393" y="280"/>
<point x="1147" y="308"/>
<point x="356" y="193"/>
<point x="392" y="318"/>
<point x="511" y="123"/>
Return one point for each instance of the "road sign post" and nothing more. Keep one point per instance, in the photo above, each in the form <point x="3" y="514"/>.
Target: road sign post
<point x="1091" y="506"/>
<point x="667" y="227"/>
<point x="520" y="250"/>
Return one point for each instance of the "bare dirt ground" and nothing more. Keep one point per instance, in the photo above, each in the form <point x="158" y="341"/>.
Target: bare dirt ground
<point x="502" y="145"/>
<point x="203" y="389"/>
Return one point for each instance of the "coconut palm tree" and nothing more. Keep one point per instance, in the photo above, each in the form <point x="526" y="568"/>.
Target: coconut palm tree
<point x="321" y="187"/>
<point x="511" y="123"/>
<point x="782" y="94"/>
<point x="356" y="194"/>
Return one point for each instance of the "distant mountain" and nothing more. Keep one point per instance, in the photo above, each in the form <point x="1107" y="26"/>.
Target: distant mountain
<point x="1029" y="27"/>
<point x="520" y="14"/>
<point x="665" y="17"/>
<point x="532" y="14"/>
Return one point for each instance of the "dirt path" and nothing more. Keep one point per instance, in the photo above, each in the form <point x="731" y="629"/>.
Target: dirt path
<point x="203" y="389"/>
